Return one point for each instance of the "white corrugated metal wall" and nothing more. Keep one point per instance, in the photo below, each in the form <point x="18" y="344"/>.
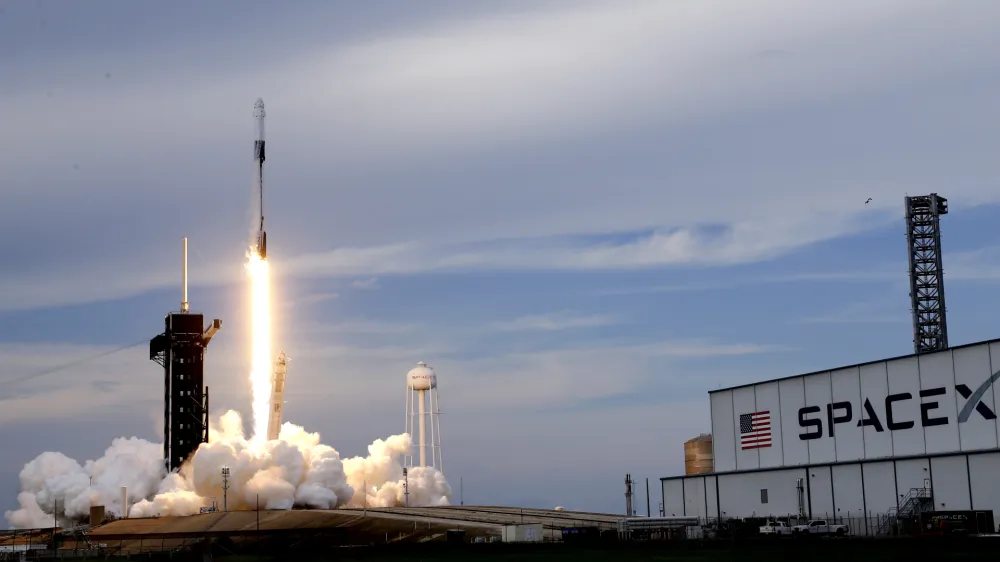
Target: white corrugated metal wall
<point x="848" y="490"/>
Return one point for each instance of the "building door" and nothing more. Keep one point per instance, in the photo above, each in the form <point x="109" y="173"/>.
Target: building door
<point x="981" y="523"/>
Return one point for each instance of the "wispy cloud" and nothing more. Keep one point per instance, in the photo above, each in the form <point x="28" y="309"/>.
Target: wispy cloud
<point x="745" y="242"/>
<point x="53" y="380"/>
<point x="92" y="383"/>
<point x="313" y="299"/>
<point x="564" y="320"/>
<point x="701" y="349"/>
<point x="370" y="283"/>
<point x="678" y="248"/>
<point x="105" y="386"/>
<point x="737" y="281"/>
<point x="49" y="287"/>
<point x="554" y="70"/>
<point x="972" y="265"/>
<point x="474" y="370"/>
<point x="512" y="73"/>
<point x="559" y="377"/>
<point x="975" y="265"/>
<point x="859" y="313"/>
<point x="356" y="326"/>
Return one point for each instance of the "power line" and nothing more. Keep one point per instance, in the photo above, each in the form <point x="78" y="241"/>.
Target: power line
<point x="73" y="363"/>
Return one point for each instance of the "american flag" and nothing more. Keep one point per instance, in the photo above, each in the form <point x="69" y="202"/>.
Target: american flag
<point x="755" y="430"/>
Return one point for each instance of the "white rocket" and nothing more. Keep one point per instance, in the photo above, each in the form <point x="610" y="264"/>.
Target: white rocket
<point x="260" y="241"/>
<point x="277" y="397"/>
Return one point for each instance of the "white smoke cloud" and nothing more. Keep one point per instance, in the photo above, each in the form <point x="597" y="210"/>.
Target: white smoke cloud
<point x="53" y="483"/>
<point x="381" y="475"/>
<point x="296" y="470"/>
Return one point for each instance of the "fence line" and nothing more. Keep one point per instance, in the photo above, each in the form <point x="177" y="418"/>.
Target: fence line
<point x="859" y="523"/>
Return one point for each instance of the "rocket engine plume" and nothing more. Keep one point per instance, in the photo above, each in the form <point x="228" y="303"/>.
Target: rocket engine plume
<point x="260" y="296"/>
<point x="260" y="345"/>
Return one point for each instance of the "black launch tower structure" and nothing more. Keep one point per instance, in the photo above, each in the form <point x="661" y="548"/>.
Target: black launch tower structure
<point x="180" y="350"/>
<point x="923" y="236"/>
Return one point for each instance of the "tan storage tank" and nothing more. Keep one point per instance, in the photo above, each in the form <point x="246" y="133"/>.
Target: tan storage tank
<point x="698" y="455"/>
<point x="96" y="515"/>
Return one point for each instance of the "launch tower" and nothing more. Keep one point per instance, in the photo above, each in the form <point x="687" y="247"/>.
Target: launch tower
<point x="180" y="350"/>
<point x="923" y="236"/>
<point x="422" y="396"/>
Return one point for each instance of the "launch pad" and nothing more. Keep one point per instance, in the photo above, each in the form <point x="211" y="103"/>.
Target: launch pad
<point x="180" y="350"/>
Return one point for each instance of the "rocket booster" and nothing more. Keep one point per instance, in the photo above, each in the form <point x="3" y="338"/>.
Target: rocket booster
<point x="277" y="397"/>
<point x="258" y="157"/>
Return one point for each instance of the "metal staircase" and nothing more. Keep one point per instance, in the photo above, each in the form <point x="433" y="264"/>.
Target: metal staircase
<point x="916" y="501"/>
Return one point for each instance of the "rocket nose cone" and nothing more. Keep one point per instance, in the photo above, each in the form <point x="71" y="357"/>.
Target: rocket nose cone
<point x="259" y="104"/>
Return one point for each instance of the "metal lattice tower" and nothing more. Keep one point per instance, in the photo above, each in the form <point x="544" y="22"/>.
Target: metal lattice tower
<point x="923" y="236"/>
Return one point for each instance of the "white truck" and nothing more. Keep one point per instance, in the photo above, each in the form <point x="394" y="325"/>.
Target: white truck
<point x="820" y="527"/>
<point x="776" y="528"/>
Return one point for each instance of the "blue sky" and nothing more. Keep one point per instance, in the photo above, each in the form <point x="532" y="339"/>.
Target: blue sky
<point x="583" y="214"/>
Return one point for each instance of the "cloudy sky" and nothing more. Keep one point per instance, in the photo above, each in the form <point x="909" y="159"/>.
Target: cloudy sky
<point x="583" y="214"/>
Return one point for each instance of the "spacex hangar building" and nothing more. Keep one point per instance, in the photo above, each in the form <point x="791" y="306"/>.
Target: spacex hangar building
<point x="875" y="441"/>
<point x="860" y="441"/>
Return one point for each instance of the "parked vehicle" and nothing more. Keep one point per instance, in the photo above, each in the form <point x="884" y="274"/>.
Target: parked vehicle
<point x="820" y="527"/>
<point x="776" y="528"/>
<point x="943" y="523"/>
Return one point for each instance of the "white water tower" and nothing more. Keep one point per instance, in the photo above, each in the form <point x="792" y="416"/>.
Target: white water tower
<point x="422" y="406"/>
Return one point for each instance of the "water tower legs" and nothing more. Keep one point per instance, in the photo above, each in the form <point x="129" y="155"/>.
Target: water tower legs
<point x="421" y="387"/>
<point x="423" y="434"/>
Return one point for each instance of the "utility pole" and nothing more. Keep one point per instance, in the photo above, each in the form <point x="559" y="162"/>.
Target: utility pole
<point x="648" y="513"/>
<point x="406" y="487"/>
<point x="225" y="488"/>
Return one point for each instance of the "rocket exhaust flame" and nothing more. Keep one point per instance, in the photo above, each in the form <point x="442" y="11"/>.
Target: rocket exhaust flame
<point x="260" y="342"/>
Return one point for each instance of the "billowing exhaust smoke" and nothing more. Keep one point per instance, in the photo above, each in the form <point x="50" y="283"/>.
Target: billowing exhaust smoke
<point x="296" y="470"/>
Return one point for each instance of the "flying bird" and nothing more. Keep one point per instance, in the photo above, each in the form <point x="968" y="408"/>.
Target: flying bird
<point x="868" y="201"/>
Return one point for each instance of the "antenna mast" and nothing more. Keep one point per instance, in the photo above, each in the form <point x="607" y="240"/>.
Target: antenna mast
<point x="185" y="306"/>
